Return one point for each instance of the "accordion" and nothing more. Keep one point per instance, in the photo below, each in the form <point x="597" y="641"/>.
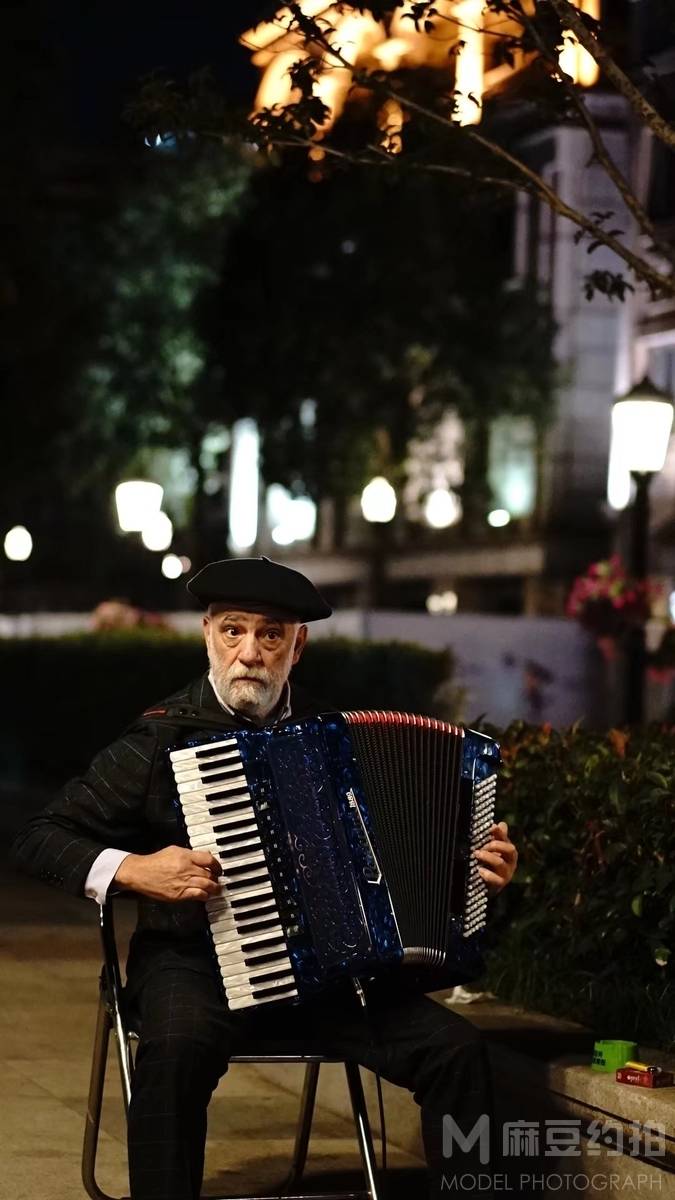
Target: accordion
<point x="346" y="843"/>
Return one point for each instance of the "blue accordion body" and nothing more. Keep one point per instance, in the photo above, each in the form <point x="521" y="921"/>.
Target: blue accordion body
<point x="321" y="848"/>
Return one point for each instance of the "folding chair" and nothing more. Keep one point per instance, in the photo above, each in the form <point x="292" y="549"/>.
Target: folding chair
<point x="112" y="1017"/>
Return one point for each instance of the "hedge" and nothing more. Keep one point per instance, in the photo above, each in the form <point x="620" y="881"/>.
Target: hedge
<point x="587" y="928"/>
<point x="65" y="698"/>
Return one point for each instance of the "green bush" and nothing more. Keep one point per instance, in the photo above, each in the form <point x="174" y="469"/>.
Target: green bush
<point x="587" y="927"/>
<point x="67" y="697"/>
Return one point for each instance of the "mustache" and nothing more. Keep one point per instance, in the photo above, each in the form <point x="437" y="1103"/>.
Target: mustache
<point x="257" y="676"/>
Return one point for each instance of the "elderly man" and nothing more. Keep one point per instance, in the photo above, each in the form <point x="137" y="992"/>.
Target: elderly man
<point x="116" y="828"/>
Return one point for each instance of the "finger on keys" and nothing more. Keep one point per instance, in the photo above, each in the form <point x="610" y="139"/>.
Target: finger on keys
<point x="206" y="884"/>
<point x="204" y="858"/>
<point x="499" y="847"/>
<point x="489" y="876"/>
<point x="501" y="830"/>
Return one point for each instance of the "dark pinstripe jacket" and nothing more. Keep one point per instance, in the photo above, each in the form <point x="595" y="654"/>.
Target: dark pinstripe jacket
<point x="125" y="800"/>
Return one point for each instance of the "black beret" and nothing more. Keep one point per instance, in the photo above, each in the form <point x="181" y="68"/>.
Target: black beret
<point x="259" y="581"/>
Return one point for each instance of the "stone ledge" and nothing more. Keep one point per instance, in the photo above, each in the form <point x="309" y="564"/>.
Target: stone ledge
<point x="541" y="1070"/>
<point x="554" y="1055"/>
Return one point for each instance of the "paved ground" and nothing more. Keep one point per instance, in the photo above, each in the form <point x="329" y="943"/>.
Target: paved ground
<point x="49" y="963"/>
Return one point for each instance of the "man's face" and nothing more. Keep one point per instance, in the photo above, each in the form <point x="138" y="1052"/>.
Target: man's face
<point x="251" y="655"/>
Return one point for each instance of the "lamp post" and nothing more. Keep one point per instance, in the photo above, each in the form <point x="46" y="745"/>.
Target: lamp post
<point x="378" y="505"/>
<point x="641" y="425"/>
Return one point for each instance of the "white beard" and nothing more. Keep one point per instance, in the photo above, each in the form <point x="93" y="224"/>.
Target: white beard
<point x="255" y="700"/>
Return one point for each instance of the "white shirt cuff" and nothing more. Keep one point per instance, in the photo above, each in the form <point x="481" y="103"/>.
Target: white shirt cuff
<point x="102" y="873"/>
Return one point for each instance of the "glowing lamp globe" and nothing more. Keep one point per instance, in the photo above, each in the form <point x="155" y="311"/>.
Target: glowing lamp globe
<point x="158" y="532"/>
<point x="18" y="544"/>
<point x="172" y="567"/>
<point x="137" y="501"/>
<point x="442" y="508"/>
<point x="641" y="425"/>
<point x="378" y="501"/>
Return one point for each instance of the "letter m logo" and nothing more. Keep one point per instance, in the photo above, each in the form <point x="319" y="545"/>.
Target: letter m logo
<point x="453" y="1136"/>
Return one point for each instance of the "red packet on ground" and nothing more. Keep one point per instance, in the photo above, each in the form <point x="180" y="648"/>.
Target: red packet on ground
<point x="648" y="1079"/>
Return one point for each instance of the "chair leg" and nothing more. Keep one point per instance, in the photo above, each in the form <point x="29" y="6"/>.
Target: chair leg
<point x="304" y="1129"/>
<point x="95" y="1102"/>
<point x="363" y="1132"/>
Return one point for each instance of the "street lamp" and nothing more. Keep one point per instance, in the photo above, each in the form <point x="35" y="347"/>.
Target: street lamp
<point x="378" y="505"/>
<point x="641" y="425"/>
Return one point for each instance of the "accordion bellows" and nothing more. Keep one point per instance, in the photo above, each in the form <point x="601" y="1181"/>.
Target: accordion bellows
<point x="346" y="845"/>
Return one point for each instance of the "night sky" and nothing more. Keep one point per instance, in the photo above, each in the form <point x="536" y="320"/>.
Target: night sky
<point x="94" y="54"/>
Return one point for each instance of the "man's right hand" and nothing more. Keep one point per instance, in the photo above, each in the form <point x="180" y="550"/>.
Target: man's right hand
<point x="170" y="874"/>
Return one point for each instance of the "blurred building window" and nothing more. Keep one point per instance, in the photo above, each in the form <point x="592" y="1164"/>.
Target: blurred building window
<point x="512" y="464"/>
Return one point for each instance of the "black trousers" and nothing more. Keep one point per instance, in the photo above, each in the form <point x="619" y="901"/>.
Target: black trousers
<point x="187" y="1035"/>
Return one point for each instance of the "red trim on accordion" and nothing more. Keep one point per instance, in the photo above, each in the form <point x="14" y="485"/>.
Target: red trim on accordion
<point x="369" y="716"/>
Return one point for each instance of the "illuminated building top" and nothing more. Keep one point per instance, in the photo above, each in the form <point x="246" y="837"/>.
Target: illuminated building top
<point x="462" y="42"/>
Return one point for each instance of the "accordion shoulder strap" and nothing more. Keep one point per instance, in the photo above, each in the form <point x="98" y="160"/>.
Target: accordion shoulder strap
<point x="179" y="716"/>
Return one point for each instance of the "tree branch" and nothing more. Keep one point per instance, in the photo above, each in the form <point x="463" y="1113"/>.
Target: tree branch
<point x="657" y="282"/>
<point x="531" y="181"/>
<point x="600" y="150"/>
<point x="380" y="158"/>
<point x="570" y="18"/>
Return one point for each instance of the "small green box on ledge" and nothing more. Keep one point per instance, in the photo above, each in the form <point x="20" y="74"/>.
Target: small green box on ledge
<point x="609" y="1055"/>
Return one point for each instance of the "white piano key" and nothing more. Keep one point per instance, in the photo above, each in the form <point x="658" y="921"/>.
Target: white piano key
<point x="203" y="825"/>
<point x="198" y="806"/>
<point x="240" y="817"/>
<point x="257" y="903"/>
<point x="225" y="931"/>
<point x="237" y="811"/>
<point x="240" y="975"/>
<point x="246" y="989"/>
<point x="258" y="889"/>
<point x="229" y="940"/>
<point x="224" y="785"/>
<point x="265" y="910"/>
<point x="234" y="956"/>
<point x="207" y="792"/>
<point x="204" y="753"/>
<point x="190" y="751"/>
<point x="225" y="924"/>
<point x="252" y="876"/>
<point x="201" y="772"/>
<point x="227" y="848"/>
<point x="239" y="808"/>
<point x="252" y="941"/>
<point x="205" y="841"/>
<point x="243" y="861"/>
<point x="229" y="764"/>
<point x="253" y="1001"/>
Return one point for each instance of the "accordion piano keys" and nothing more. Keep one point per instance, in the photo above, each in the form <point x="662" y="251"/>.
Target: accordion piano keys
<point x="248" y="937"/>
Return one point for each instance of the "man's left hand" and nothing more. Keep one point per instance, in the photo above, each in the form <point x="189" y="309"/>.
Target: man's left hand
<point x="499" y="859"/>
